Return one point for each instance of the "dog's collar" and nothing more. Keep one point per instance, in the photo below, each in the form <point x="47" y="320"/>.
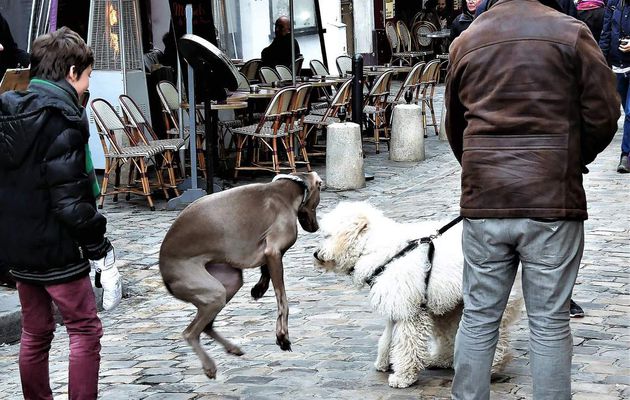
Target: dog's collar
<point x="297" y="180"/>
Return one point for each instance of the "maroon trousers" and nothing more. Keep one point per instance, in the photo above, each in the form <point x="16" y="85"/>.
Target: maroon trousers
<point x="77" y="306"/>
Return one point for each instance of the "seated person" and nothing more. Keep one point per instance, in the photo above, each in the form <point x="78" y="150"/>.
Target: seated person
<point x="279" y="51"/>
<point x="10" y="55"/>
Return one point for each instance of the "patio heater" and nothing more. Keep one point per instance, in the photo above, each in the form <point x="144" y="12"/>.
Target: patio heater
<point x="116" y="41"/>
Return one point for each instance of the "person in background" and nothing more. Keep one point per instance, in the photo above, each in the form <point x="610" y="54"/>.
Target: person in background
<point x="564" y="6"/>
<point x="615" y="44"/>
<point x="50" y="230"/>
<point x="279" y="51"/>
<point x="591" y="12"/>
<point x="10" y="55"/>
<point x="524" y="137"/>
<point x="463" y="20"/>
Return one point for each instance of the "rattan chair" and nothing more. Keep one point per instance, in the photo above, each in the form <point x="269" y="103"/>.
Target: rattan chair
<point x="147" y="135"/>
<point x="299" y="109"/>
<point x="344" y="65"/>
<point x="272" y="128"/>
<point x="250" y="70"/>
<point x="169" y="99"/>
<point x="112" y="132"/>
<point x="268" y="75"/>
<point x="316" y="121"/>
<point x="407" y="45"/>
<point x="411" y="82"/>
<point x="318" y="68"/>
<point x="426" y="90"/>
<point x="284" y="73"/>
<point x="375" y="107"/>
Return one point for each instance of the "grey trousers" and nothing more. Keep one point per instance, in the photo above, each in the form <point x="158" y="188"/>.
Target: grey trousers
<point x="550" y="254"/>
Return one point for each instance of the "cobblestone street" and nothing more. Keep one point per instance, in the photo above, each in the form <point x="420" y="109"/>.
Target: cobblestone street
<point x="333" y="331"/>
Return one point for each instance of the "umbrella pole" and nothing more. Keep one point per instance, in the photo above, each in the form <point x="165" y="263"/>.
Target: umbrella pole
<point x="292" y="41"/>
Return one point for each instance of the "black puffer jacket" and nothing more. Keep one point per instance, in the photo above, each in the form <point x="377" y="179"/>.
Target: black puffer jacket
<point x="49" y="226"/>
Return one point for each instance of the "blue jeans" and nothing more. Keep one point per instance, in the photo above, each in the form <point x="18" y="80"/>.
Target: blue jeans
<point x="550" y="254"/>
<point x="623" y="83"/>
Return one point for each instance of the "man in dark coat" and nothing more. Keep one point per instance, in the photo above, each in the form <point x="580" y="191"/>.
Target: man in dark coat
<point x="531" y="102"/>
<point x="279" y="51"/>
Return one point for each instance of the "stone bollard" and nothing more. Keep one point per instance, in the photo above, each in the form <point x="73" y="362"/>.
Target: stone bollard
<point x="344" y="157"/>
<point x="407" y="138"/>
<point x="442" y="131"/>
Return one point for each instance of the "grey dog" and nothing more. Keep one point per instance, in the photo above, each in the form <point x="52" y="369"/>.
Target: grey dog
<point x="217" y="236"/>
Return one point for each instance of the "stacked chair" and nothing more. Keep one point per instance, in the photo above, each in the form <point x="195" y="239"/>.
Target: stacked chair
<point x="169" y="98"/>
<point x="112" y="133"/>
<point x="147" y="136"/>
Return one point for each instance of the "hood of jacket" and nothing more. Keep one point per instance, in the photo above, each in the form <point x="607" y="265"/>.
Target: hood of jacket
<point x="24" y="113"/>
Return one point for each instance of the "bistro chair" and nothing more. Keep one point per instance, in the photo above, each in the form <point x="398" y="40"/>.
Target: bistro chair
<point x="344" y="65"/>
<point x="299" y="110"/>
<point x="407" y="44"/>
<point x="375" y="107"/>
<point x="243" y="82"/>
<point x="112" y="130"/>
<point x="329" y="116"/>
<point x="318" y="68"/>
<point x="268" y="75"/>
<point x="148" y="137"/>
<point x="169" y="98"/>
<point x="394" y="44"/>
<point x="250" y="70"/>
<point x="411" y="82"/>
<point x="284" y="73"/>
<point x="273" y="127"/>
<point x="426" y="89"/>
<point x="298" y="66"/>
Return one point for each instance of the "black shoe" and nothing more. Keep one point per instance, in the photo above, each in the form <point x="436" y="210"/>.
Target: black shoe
<point x="575" y="311"/>
<point x="623" y="167"/>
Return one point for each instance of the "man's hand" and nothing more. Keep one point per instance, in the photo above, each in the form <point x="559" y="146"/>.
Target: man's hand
<point x="1" y="47"/>
<point x="108" y="277"/>
<point x="624" y="45"/>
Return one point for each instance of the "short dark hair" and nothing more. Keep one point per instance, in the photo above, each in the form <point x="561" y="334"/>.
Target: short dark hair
<point x="54" y="53"/>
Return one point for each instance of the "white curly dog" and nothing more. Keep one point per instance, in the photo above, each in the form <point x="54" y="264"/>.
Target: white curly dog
<point x="422" y="312"/>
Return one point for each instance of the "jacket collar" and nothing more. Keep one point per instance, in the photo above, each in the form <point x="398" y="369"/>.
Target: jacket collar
<point x="63" y="95"/>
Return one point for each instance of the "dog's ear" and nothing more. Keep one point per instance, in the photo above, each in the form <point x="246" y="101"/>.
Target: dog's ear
<point x="349" y="237"/>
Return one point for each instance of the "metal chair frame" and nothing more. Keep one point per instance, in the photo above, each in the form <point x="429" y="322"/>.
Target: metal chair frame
<point x="375" y="107"/>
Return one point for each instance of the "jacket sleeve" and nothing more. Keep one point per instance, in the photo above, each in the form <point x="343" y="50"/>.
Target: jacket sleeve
<point x="70" y="193"/>
<point x="599" y="101"/>
<point x="455" y="121"/>
<point x="604" y="39"/>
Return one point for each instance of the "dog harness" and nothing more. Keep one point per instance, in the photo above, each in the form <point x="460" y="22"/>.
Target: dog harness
<point x="297" y="180"/>
<point x="411" y="246"/>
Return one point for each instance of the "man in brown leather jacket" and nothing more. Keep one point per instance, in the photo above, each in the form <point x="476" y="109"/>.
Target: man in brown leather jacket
<point x="531" y="102"/>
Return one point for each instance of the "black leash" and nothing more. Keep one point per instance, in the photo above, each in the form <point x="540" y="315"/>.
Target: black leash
<point x="411" y="246"/>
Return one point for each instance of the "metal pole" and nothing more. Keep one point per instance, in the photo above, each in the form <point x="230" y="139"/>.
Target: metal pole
<point x="357" y="90"/>
<point x="292" y="41"/>
<point x="191" y="108"/>
<point x="320" y="32"/>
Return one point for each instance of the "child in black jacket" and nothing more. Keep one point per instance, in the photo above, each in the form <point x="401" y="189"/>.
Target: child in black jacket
<point x="50" y="229"/>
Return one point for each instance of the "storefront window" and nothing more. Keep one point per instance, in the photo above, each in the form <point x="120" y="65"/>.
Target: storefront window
<point x="304" y="14"/>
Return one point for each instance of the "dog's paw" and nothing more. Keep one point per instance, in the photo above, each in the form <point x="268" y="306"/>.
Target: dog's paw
<point x="211" y="372"/>
<point x="382" y="366"/>
<point x="284" y="343"/>
<point x="259" y="291"/>
<point x="235" y="350"/>
<point x="400" y="380"/>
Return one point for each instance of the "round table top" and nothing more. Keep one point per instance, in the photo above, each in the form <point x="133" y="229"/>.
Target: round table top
<point x="229" y="106"/>
<point x="439" y="34"/>
<point x="237" y="97"/>
<point x="263" y="94"/>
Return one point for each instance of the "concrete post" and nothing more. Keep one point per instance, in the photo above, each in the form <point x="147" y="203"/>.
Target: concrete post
<point x="407" y="137"/>
<point x="344" y="157"/>
<point x="442" y="131"/>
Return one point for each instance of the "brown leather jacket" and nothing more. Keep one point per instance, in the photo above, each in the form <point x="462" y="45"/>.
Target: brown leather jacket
<point x="531" y="101"/>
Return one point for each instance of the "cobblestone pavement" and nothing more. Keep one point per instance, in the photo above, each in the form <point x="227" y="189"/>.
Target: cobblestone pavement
<point x="333" y="330"/>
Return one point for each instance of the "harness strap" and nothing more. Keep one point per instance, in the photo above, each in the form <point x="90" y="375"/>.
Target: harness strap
<point x="411" y="246"/>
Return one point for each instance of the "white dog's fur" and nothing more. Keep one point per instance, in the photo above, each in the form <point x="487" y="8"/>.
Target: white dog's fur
<point x="358" y="239"/>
